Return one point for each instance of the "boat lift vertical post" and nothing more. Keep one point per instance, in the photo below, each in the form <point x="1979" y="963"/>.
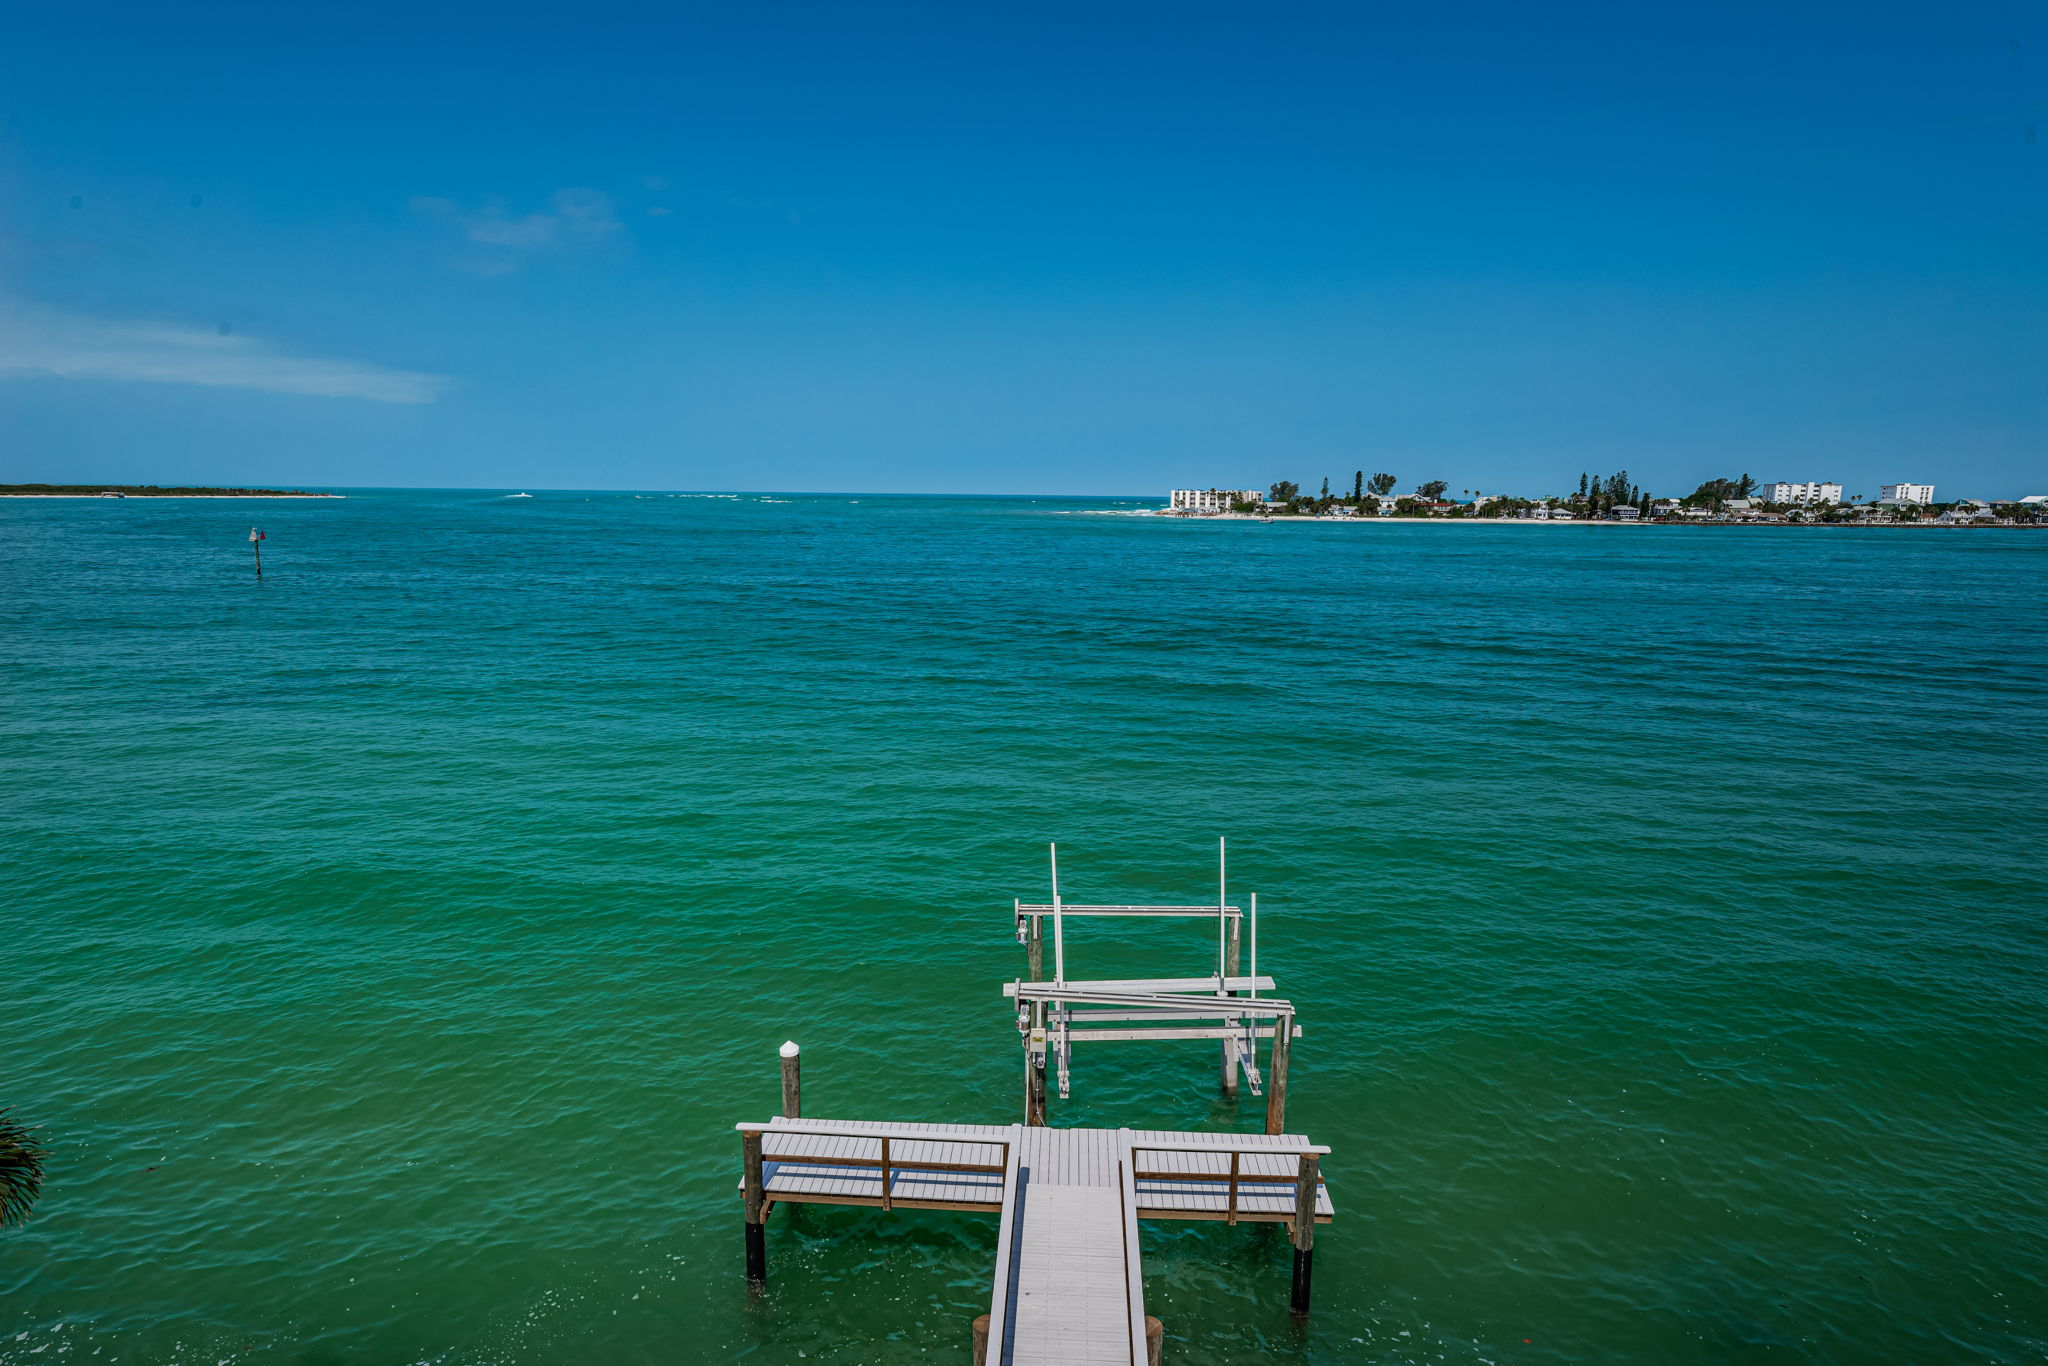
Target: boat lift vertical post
<point x="1255" y="945"/>
<point x="1226" y="943"/>
<point x="1222" y="883"/>
<point x="1059" y="938"/>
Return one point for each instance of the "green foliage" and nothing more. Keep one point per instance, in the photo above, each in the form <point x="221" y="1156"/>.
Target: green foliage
<point x="1381" y="484"/>
<point x="1432" y="491"/>
<point x="21" y="1170"/>
<point x="1285" y="491"/>
<point x="1715" y="492"/>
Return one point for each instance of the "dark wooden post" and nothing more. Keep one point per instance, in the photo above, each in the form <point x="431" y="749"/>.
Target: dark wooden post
<point x="256" y="544"/>
<point x="1307" y="1180"/>
<point x="1034" y="1068"/>
<point x="1230" y="1045"/>
<point x="792" y="1081"/>
<point x="757" y="1203"/>
<point x="1034" y="1058"/>
<point x="1276" y="1084"/>
<point x="1155" y="1333"/>
<point x="981" y="1341"/>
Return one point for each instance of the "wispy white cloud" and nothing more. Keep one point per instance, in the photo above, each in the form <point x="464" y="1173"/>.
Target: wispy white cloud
<point x="502" y="241"/>
<point x="39" y="341"/>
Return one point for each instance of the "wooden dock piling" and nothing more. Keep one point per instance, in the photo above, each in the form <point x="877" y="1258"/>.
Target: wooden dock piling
<point x="1034" y="1057"/>
<point x="792" y="1081"/>
<point x="1307" y="1181"/>
<point x="755" y="1190"/>
<point x="1034" y="1074"/>
<point x="1276" y="1084"/>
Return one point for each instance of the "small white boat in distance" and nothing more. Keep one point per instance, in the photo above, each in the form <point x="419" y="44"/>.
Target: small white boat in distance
<point x="519" y="495"/>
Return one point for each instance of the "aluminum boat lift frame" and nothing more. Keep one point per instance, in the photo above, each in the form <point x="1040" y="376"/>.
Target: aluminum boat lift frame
<point x="1054" y="1015"/>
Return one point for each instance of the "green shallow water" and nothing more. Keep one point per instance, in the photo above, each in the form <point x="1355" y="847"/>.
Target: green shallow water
<point x="392" y="945"/>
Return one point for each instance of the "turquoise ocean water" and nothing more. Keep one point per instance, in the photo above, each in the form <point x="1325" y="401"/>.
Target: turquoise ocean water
<point x="391" y="945"/>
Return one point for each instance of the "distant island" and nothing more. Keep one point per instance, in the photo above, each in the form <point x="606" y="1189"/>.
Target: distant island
<point x="1615" y="498"/>
<point x="145" y="491"/>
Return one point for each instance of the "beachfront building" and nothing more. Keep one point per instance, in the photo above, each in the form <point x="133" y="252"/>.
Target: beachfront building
<point x="1210" y="501"/>
<point x="1896" y="494"/>
<point x="1801" y="493"/>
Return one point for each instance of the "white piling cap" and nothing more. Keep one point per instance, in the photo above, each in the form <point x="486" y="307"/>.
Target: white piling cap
<point x="790" y="1050"/>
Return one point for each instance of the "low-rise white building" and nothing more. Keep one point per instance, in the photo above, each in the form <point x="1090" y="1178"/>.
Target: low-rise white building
<point x="1800" y="493"/>
<point x="1905" y="493"/>
<point x="1210" y="500"/>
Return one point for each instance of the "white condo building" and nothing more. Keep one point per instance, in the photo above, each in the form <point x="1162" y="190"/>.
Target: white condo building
<point x="1800" y="493"/>
<point x="1906" y="493"/>
<point x="1210" y="500"/>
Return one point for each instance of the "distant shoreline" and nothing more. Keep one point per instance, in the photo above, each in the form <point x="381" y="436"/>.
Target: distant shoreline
<point x="148" y="491"/>
<point x="1696" y="522"/>
<point x="174" y="497"/>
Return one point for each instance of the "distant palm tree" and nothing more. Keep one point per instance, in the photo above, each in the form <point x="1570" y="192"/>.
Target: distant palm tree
<point x="21" y="1170"/>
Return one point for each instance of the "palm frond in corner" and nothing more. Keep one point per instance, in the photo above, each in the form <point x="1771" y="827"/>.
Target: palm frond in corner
<point x="21" y="1170"/>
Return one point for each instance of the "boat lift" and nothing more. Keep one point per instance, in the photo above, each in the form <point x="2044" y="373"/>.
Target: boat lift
<point x="1054" y="1015"/>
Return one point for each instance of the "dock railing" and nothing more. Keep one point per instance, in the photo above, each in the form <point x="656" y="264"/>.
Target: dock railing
<point x="1298" y="1201"/>
<point x="879" y="1150"/>
<point x="1237" y="1175"/>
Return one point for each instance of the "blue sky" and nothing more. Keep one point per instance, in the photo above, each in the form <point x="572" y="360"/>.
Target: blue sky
<point x="1036" y="248"/>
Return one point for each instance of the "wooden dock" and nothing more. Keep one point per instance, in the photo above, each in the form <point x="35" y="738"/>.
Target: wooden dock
<point x="1067" y="1287"/>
